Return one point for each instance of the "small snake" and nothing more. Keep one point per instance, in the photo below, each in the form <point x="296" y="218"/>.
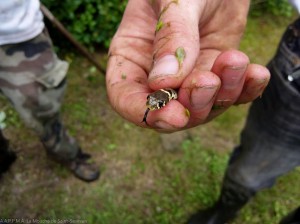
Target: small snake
<point x="159" y="99"/>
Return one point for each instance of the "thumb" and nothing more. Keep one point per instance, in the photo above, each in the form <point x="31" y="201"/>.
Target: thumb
<point x="176" y="44"/>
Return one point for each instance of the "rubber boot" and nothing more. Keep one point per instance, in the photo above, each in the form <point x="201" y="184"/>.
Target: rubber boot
<point x="81" y="166"/>
<point x="63" y="148"/>
<point x="7" y="156"/>
<point x="233" y="197"/>
<point x="292" y="218"/>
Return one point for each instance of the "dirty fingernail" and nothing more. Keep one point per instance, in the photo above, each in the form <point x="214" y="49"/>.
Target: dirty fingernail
<point x="168" y="65"/>
<point x="232" y="76"/>
<point x="201" y="96"/>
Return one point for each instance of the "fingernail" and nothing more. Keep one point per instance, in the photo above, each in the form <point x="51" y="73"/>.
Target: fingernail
<point x="168" y="65"/>
<point x="221" y="104"/>
<point x="235" y="74"/>
<point x="259" y="86"/>
<point x="202" y="96"/>
<point x="163" y="125"/>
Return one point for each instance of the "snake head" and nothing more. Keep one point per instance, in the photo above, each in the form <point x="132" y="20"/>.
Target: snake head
<point x="153" y="103"/>
<point x="158" y="99"/>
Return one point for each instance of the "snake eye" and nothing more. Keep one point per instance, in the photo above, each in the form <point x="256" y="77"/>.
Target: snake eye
<point x="161" y="104"/>
<point x="148" y="97"/>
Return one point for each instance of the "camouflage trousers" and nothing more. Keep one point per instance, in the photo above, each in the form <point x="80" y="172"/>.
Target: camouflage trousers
<point x="34" y="81"/>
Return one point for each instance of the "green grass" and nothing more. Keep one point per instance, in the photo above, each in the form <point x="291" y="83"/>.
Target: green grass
<point x="141" y="182"/>
<point x="262" y="37"/>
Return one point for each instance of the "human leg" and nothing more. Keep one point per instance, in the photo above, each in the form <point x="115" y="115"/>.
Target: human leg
<point x="33" y="79"/>
<point x="270" y="140"/>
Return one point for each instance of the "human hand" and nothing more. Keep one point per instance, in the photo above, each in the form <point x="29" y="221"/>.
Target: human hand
<point x="208" y="74"/>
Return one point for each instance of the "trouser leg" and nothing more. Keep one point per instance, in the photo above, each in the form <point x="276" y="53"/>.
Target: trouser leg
<point x="33" y="79"/>
<point x="270" y="141"/>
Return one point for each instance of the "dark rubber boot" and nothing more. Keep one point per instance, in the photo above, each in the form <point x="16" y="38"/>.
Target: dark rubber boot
<point x="218" y="214"/>
<point x="7" y="156"/>
<point x="292" y="218"/>
<point x="63" y="148"/>
<point x="83" y="168"/>
<point x="233" y="198"/>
